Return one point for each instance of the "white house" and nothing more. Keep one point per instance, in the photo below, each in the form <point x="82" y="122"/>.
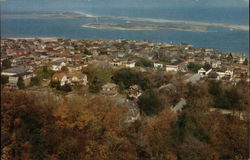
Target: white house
<point x="76" y="78"/>
<point x="158" y="65"/>
<point x="58" y="64"/>
<point x="202" y="72"/>
<point x="115" y="63"/>
<point x="172" y="68"/>
<point x="216" y="64"/>
<point x="130" y="64"/>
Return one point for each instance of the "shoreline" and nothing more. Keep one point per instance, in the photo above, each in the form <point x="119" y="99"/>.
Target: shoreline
<point x="70" y="15"/>
<point x="141" y="27"/>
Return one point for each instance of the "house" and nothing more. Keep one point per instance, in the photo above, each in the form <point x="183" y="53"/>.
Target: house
<point x="158" y="65"/>
<point x="172" y="68"/>
<point x="115" y="63"/>
<point x="216" y="64"/>
<point x="15" y="73"/>
<point x="109" y="89"/>
<point x="73" y="68"/>
<point x="134" y="92"/>
<point x="58" y="64"/>
<point x="130" y="64"/>
<point x="75" y="78"/>
<point x="202" y="72"/>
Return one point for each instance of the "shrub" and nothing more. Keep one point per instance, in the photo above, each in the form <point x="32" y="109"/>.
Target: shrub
<point x="4" y="79"/>
<point x="20" y="83"/>
<point x="35" y="81"/>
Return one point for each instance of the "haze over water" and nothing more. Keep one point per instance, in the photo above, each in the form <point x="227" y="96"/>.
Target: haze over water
<point x="231" y="12"/>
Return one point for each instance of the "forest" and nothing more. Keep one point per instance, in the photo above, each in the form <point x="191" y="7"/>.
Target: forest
<point x="45" y="126"/>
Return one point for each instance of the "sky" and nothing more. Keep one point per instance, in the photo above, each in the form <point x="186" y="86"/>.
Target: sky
<point x="48" y="5"/>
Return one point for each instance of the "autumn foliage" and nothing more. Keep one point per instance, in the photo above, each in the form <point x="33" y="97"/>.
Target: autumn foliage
<point x="42" y="126"/>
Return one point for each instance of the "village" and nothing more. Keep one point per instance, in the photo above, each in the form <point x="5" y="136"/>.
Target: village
<point x="60" y="64"/>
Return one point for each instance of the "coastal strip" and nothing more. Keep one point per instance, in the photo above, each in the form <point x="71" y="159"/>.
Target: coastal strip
<point x="137" y="27"/>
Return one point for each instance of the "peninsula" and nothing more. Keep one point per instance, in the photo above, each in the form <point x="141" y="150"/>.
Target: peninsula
<point x="136" y="27"/>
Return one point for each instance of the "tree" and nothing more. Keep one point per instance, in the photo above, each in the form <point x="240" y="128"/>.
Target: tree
<point x="44" y="72"/>
<point x="149" y="103"/>
<point x="126" y="77"/>
<point x="193" y="67"/>
<point x="98" y="76"/>
<point x="65" y="69"/>
<point x="6" y="63"/>
<point x="4" y="79"/>
<point x="144" y="63"/>
<point x="34" y="81"/>
<point x="87" y="52"/>
<point x="245" y="61"/>
<point x="66" y="88"/>
<point x="20" y="83"/>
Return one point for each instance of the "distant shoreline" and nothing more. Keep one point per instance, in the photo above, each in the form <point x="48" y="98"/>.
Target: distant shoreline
<point x="70" y="15"/>
<point x="138" y="27"/>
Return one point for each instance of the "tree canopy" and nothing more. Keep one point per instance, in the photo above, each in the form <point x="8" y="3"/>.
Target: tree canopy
<point x="126" y="77"/>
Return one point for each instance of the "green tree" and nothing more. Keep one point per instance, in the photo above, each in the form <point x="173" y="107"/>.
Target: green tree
<point x="193" y="67"/>
<point x="95" y="85"/>
<point x="87" y="52"/>
<point x="144" y="63"/>
<point x="98" y="76"/>
<point x="4" y="79"/>
<point x="20" y="83"/>
<point x="126" y="77"/>
<point x="6" y="63"/>
<point x="44" y="72"/>
<point x="35" y="81"/>
<point x="149" y="103"/>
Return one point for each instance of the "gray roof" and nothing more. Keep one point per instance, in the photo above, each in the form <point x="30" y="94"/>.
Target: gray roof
<point x="17" y="70"/>
<point x="194" y="78"/>
<point x="169" y="86"/>
<point x="58" y="62"/>
<point x="179" y="106"/>
<point x="109" y="85"/>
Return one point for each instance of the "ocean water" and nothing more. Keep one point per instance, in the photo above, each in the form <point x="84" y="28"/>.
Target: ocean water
<point x="225" y="40"/>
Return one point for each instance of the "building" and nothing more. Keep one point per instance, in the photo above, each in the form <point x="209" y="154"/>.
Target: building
<point x="158" y="65"/>
<point x="75" y="78"/>
<point x="134" y="92"/>
<point x="130" y="64"/>
<point x="109" y="89"/>
<point x="18" y="72"/>
<point x="172" y="68"/>
<point x="58" y="64"/>
<point x="115" y="63"/>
